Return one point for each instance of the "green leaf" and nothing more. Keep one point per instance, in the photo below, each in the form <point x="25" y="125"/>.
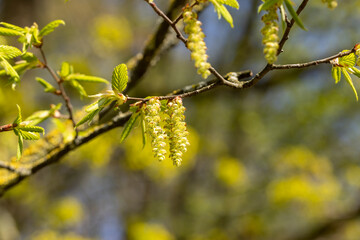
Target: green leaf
<point x="13" y="27"/>
<point x="95" y="109"/>
<point x="86" y="78"/>
<point x="19" y="68"/>
<point x="119" y="78"/>
<point x="20" y="146"/>
<point x="9" y="52"/>
<point x="29" y="135"/>
<point x="129" y="126"/>
<point x="222" y="11"/>
<point x="267" y="4"/>
<point x="65" y="69"/>
<point x="294" y="14"/>
<point x="29" y="128"/>
<point x="47" y="86"/>
<point x="230" y="3"/>
<point x="336" y="74"/>
<point x="348" y="79"/>
<point x="18" y="119"/>
<point x="78" y="87"/>
<point x="355" y="71"/>
<point x="283" y="17"/>
<point x="348" y="60"/>
<point x="40" y="116"/>
<point x="9" y="32"/>
<point x="9" y="70"/>
<point x="50" y="27"/>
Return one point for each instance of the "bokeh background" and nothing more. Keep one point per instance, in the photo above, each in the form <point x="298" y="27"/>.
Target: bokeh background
<point x="271" y="162"/>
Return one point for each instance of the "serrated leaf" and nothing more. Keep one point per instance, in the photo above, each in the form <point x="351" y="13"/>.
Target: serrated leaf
<point x="230" y="3"/>
<point x="9" y="69"/>
<point x="19" y="68"/>
<point x="348" y="60"/>
<point x="222" y="11"/>
<point x="50" y="27"/>
<point x="336" y="74"/>
<point x="13" y="27"/>
<point x="29" y="128"/>
<point x="267" y="4"/>
<point x="65" y="69"/>
<point x="29" y="135"/>
<point x="18" y="119"/>
<point x="348" y="79"/>
<point x="9" y="52"/>
<point x="86" y="78"/>
<point x="78" y="87"/>
<point x="20" y="145"/>
<point x="9" y="32"/>
<point x="355" y="71"/>
<point x="129" y="126"/>
<point x="119" y="78"/>
<point x="294" y="14"/>
<point x="101" y="103"/>
<point x="47" y="86"/>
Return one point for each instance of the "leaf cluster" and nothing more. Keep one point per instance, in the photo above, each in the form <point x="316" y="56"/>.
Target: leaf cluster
<point x="222" y="11"/>
<point x="118" y="84"/>
<point x="345" y="66"/>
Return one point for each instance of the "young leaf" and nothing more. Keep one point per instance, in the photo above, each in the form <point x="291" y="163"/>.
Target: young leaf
<point x="29" y="135"/>
<point x="65" y="69"/>
<point x="348" y="60"/>
<point x="9" y="52"/>
<point x="95" y="109"/>
<point x="294" y="14"/>
<point x="222" y="11"/>
<point x="30" y="128"/>
<point x="355" y="71"/>
<point x="336" y="74"/>
<point x="9" y="32"/>
<point x="9" y="69"/>
<point x="119" y="78"/>
<point x="13" y="27"/>
<point x="47" y="86"/>
<point x="18" y="119"/>
<point x="129" y="126"/>
<point x="283" y="17"/>
<point x="230" y="3"/>
<point x="267" y="4"/>
<point x="20" y="144"/>
<point x="50" y="27"/>
<point x="78" y="87"/>
<point x="86" y="78"/>
<point x="348" y="79"/>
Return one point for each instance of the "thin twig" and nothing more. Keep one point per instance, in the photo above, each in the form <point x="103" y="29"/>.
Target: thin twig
<point x="59" y="81"/>
<point x="8" y="127"/>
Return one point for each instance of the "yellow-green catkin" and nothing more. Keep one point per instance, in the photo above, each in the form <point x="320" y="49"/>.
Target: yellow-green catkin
<point x="156" y="132"/>
<point x="196" y="42"/>
<point x="330" y="3"/>
<point x="270" y="34"/>
<point x="176" y="130"/>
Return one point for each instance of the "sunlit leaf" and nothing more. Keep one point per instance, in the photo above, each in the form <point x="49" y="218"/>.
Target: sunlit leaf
<point x="119" y="78"/>
<point x="336" y="74"/>
<point x="30" y="128"/>
<point x="9" y="69"/>
<point x="294" y="14"/>
<point x="230" y="3"/>
<point x="20" y="145"/>
<point x="348" y="60"/>
<point x="86" y="78"/>
<point x="355" y="71"/>
<point x="129" y="126"/>
<point x="50" y="27"/>
<point x="78" y="87"/>
<point x="9" y="52"/>
<point x="18" y="119"/>
<point x="143" y="129"/>
<point x="47" y="86"/>
<point x="29" y="135"/>
<point x="348" y="79"/>
<point x="9" y="32"/>
<point x="13" y="27"/>
<point x="65" y="69"/>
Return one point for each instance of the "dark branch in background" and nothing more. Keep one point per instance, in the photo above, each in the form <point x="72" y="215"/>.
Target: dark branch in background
<point x="152" y="47"/>
<point x="61" y="88"/>
<point x="328" y="227"/>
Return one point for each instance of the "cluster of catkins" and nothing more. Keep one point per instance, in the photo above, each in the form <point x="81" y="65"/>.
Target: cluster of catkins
<point x="174" y="125"/>
<point x="331" y="3"/>
<point x="270" y="34"/>
<point x="196" y="42"/>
